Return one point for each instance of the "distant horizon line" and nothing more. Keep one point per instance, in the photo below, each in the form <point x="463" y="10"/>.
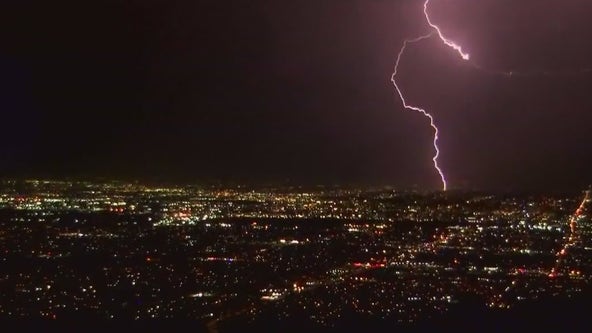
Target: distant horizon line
<point x="283" y="184"/>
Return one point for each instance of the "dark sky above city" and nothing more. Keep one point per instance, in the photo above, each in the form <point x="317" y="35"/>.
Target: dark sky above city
<point x="269" y="91"/>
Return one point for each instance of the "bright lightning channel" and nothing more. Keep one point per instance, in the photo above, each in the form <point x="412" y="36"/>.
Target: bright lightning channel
<point x="418" y="109"/>
<point x="445" y="40"/>
<point x="463" y="55"/>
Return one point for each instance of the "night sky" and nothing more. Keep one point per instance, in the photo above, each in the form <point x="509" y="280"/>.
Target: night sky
<point x="273" y="91"/>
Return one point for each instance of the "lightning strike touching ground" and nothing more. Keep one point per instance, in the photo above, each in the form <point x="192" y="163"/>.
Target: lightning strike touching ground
<point x="418" y="109"/>
<point x="462" y="54"/>
<point x="465" y="56"/>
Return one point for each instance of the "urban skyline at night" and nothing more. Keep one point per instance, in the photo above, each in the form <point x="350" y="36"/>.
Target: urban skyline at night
<point x="289" y="258"/>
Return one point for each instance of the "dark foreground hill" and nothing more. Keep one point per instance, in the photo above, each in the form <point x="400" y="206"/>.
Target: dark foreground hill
<point x="546" y="315"/>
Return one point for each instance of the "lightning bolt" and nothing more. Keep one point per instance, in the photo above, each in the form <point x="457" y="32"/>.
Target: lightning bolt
<point x="418" y="109"/>
<point x="445" y="40"/>
<point x="465" y="56"/>
<point x="508" y="73"/>
<point x="462" y="54"/>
